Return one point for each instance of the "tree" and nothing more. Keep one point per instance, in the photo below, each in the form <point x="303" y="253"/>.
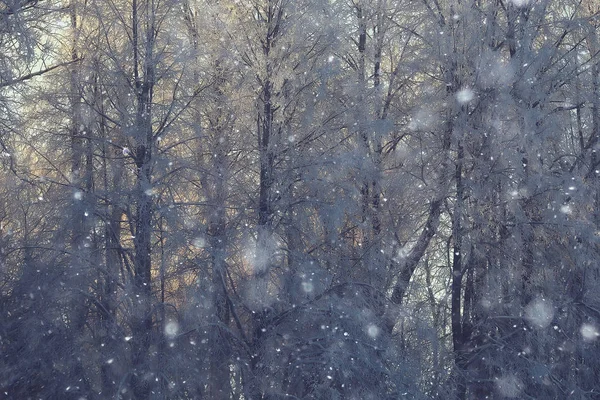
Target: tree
<point x="306" y="199"/>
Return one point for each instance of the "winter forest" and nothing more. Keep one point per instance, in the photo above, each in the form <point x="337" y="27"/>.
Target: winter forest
<point x="299" y="199"/>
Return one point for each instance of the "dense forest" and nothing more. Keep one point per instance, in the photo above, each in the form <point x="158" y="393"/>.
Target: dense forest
<point x="299" y="199"/>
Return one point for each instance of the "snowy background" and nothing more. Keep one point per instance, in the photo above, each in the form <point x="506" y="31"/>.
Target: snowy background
<point x="299" y="199"/>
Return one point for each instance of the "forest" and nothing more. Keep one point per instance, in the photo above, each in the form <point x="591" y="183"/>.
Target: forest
<point x="299" y="199"/>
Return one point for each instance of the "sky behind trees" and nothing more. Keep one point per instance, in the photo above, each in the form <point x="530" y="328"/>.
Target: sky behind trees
<point x="305" y="199"/>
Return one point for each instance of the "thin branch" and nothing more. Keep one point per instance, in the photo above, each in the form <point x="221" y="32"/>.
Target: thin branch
<point x="36" y="73"/>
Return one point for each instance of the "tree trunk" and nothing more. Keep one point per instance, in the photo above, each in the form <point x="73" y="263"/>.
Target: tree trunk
<point x="142" y="323"/>
<point x="458" y="338"/>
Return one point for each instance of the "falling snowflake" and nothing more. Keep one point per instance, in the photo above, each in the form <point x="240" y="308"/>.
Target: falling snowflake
<point x="199" y="242"/>
<point x="171" y="329"/>
<point x="465" y="95"/>
<point x="307" y="286"/>
<point x="589" y="332"/>
<point x="539" y="313"/>
<point x="520" y="3"/>
<point x="509" y="386"/>
<point x="566" y="209"/>
<point x="373" y="331"/>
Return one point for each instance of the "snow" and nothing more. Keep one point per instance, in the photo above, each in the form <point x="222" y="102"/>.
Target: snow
<point x="373" y="331"/>
<point x="539" y="313"/>
<point x="199" y="242"/>
<point x="171" y="329"/>
<point x="307" y="286"/>
<point x="509" y="386"/>
<point x="566" y="209"/>
<point x="589" y="332"/>
<point x="520" y="3"/>
<point x="465" y="95"/>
